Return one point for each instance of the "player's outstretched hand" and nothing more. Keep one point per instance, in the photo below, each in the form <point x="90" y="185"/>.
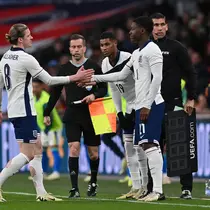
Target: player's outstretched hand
<point x="144" y="114"/>
<point x="82" y="75"/>
<point x="47" y="120"/>
<point x="88" y="99"/>
<point x="1" y="117"/>
<point x="189" y="106"/>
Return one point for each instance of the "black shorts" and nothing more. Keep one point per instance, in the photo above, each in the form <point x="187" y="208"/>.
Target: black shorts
<point x="74" y="130"/>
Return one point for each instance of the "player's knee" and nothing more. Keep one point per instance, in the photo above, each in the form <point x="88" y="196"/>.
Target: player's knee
<point x="38" y="149"/>
<point x="74" y="149"/>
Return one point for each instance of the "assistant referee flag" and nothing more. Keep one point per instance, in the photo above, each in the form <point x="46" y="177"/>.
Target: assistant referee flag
<point x="103" y="115"/>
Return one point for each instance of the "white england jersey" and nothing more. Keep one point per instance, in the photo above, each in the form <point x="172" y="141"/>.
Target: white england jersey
<point x="147" y="66"/>
<point x="124" y="88"/>
<point x="16" y="71"/>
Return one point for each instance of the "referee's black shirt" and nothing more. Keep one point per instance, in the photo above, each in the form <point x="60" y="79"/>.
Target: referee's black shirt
<point x="75" y="93"/>
<point x="176" y="66"/>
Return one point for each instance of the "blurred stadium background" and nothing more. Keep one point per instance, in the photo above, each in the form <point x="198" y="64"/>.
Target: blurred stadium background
<point x="53" y="21"/>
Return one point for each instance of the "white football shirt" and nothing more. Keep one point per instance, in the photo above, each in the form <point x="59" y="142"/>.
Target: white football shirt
<point x="147" y="66"/>
<point x="124" y="88"/>
<point x="17" y="68"/>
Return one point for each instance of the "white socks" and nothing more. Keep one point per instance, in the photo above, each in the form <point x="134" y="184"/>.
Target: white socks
<point x="12" y="167"/>
<point x="155" y="162"/>
<point x="132" y="162"/>
<point x="142" y="158"/>
<point x="35" y="167"/>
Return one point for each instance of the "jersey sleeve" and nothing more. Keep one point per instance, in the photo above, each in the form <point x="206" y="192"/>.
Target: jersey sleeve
<point x="36" y="71"/>
<point x="155" y="56"/>
<point x="155" y="60"/>
<point x="103" y="67"/>
<point x="116" y="96"/>
<point x="101" y="89"/>
<point x="32" y="66"/>
<point x="117" y="76"/>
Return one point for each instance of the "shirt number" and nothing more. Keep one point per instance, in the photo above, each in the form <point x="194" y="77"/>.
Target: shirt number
<point x="7" y="76"/>
<point x="120" y="88"/>
<point x="141" y="130"/>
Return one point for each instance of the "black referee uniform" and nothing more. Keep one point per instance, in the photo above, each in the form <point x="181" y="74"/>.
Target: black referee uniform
<point x="77" y="118"/>
<point x="176" y="66"/>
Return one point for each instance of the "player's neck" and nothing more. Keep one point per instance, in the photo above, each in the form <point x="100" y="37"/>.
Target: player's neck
<point x="78" y="62"/>
<point x="18" y="46"/>
<point x="143" y="42"/>
<point x="113" y="58"/>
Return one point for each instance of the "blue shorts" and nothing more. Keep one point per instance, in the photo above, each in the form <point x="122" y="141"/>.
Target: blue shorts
<point x="26" y="129"/>
<point x="151" y="130"/>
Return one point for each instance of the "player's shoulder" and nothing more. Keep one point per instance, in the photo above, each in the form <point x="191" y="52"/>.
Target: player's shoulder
<point x="125" y="54"/>
<point x="152" y="45"/>
<point x="104" y="61"/>
<point x="135" y="52"/>
<point x="26" y="57"/>
<point x="152" y="48"/>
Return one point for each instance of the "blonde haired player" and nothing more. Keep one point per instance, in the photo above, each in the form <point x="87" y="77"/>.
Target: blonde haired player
<point x="17" y="68"/>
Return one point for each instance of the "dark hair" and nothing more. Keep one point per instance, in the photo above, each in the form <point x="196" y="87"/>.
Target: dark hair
<point x="15" y="32"/>
<point x="157" y="15"/>
<point x="108" y="35"/>
<point x="144" y="22"/>
<point x="78" y="36"/>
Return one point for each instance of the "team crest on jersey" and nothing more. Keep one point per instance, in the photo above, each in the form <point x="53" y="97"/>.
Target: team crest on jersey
<point x="89" y="87"/>
<point x="35" y="133"/>
<point x="140" y="58"/>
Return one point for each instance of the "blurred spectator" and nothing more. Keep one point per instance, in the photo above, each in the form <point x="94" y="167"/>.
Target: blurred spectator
<point x="52" y="67"/>
<point x="124" y="43"/>
<point x="202" y="105"/>
<point x="202" y="72"/>
<point x="64" y="59"/>
<point x="96" y="53"/>
<point x="53" y="52"/>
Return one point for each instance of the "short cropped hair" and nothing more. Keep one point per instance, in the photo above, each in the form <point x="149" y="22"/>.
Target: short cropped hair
<point x="157" y="15"/>
<point x="78" y="36"/>
<point x="144" y="22"/>
<point x="108" y="35"/>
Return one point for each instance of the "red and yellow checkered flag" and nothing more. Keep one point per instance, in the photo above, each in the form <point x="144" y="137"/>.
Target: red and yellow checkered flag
<point x="103" y="115"/>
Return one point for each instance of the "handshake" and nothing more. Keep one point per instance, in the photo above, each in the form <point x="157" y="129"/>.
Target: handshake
<point x="83" y="77"/>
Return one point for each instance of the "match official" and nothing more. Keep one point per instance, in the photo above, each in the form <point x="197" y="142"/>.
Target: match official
<point x="77" y="116"/>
